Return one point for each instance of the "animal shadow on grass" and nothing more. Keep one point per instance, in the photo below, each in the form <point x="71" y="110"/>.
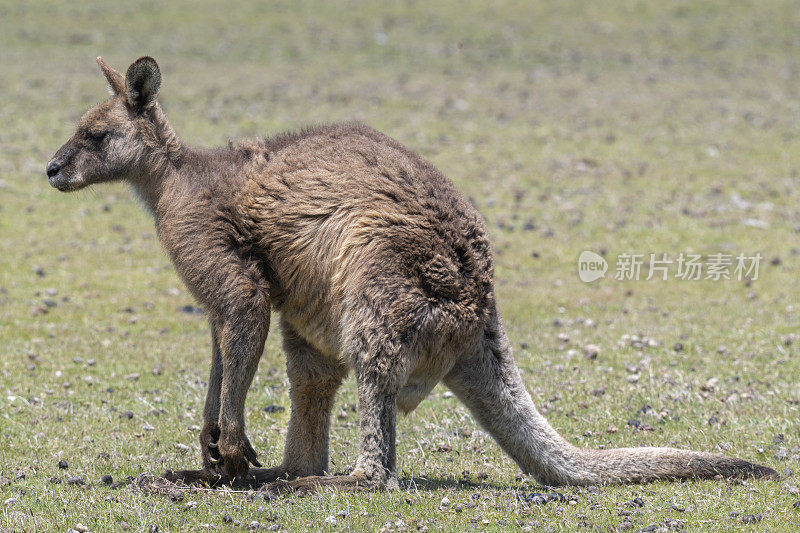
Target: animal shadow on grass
<point x="154" y="484"/>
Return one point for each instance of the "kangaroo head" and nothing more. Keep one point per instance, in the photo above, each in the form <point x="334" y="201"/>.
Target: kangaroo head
<point x="121" y="138"/>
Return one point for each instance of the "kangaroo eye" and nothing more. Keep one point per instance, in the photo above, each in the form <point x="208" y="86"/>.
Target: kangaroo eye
<point x="97" y="136"/>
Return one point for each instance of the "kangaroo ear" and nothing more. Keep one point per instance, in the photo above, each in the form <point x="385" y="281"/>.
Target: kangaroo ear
<point x="116" y="83"/>
<point x="142" y="81"/>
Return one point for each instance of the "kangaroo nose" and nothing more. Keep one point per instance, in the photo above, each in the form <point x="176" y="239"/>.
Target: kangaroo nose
<point x="52" y="168"/>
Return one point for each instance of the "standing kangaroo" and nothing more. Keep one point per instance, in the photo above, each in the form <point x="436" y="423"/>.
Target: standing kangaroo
<point x="376" y="264"/>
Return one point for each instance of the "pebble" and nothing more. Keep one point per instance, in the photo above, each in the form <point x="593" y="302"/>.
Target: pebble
<point x="751" y="518"/>
<point x="535" y="498"/>
<point x="591" y="351"/>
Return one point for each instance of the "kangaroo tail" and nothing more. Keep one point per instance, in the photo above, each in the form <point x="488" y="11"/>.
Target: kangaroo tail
<point x="489" y="383"/>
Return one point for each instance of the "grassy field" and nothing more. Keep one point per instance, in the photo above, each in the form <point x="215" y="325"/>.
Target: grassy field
<point x="632" y="127"/>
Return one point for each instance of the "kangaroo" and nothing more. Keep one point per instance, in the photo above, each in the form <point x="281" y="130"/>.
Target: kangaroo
<point x="375" y="263"/>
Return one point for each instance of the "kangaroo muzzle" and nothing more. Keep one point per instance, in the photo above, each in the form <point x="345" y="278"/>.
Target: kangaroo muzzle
<point x="55" y="170"/>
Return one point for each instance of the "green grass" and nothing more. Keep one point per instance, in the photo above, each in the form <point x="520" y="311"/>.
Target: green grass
<point x="636" y="127"/>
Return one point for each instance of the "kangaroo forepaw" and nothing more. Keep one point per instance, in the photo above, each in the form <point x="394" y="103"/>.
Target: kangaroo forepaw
<point x="209" y="447"/>
<point x="250" y="454"/>
<point x="233" y="456"/>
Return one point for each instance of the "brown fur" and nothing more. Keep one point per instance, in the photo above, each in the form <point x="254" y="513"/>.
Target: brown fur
<point x="375" y="263"/>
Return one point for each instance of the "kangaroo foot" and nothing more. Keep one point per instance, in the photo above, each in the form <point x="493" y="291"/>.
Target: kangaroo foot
<point x="256" y="477"/>
<point x="204" y="476"/>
